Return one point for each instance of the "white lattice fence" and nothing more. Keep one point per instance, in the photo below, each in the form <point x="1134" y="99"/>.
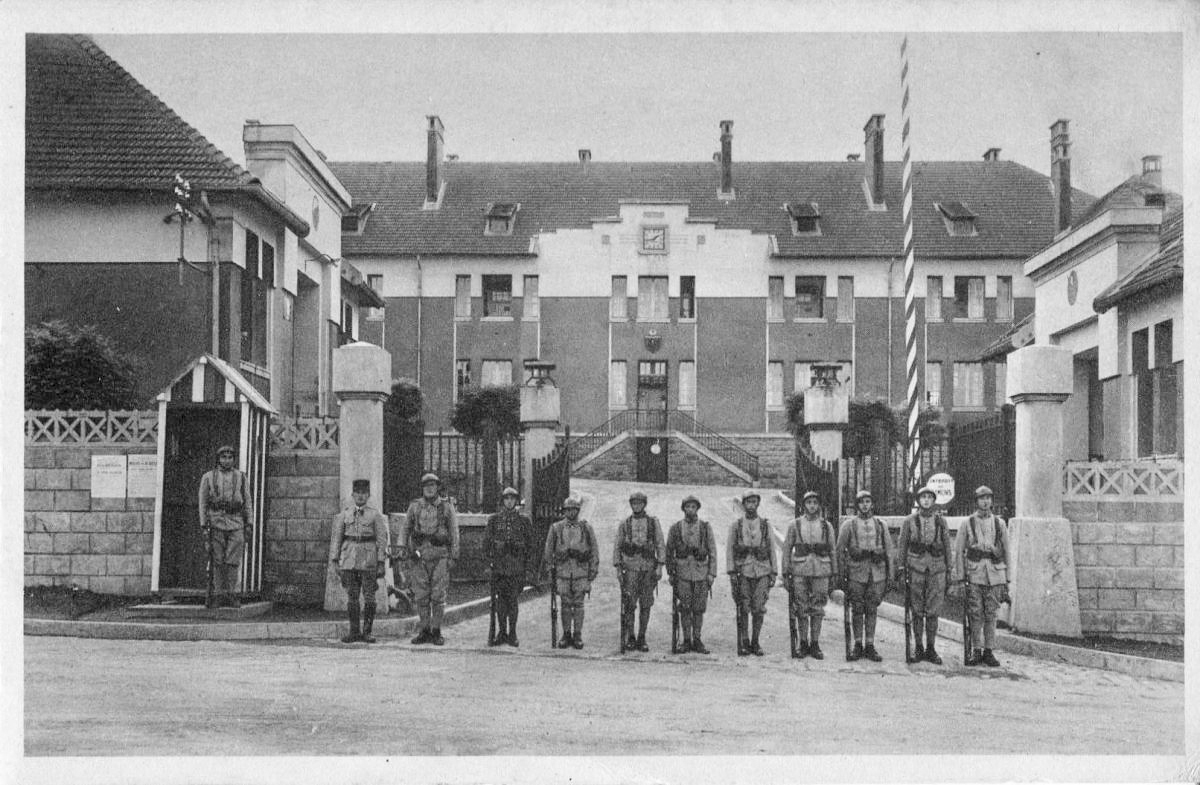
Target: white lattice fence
<point x="304" y="433"/>
<point x="49" y="427"/>
<point x="1137" y="479"/>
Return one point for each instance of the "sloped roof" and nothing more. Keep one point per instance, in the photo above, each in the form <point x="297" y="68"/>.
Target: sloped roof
<point x="1013" y="203"/>
<point x="1131" y="193"/>
<point x="1164" y="265"/>
<point x="180" y="387"/>
<point x="1020" y="334"/>
<point x="90" y="125"/>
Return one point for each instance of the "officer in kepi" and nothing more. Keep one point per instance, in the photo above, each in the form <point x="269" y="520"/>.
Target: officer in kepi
<point x="982" y="565"/>
<point x="358" y="550"/>
<point x="750" y="562"/>
<point x="692" y="568"/>
<point x="925" y="558"/>
<point x="226" y="524"/>
<point x="865" y="548"/>
<point x="575" y="559"/>
<point x="508" y="544"/>
<point x="809" y="564"/>
<point x="429" y="544"/>
<point x="638" y="555"/>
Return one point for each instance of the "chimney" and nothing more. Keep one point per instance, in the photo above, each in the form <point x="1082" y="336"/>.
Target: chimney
<point x="1152" y="169"/>
<point x="727" y="157"/>
<point x="585" y="156"/>
<point x="853" y="156"/>
<point x="1060" y="174"/>
<point x="873" y="157"/>
<point x="992" y="154"/>
<point x="433" y="158"/>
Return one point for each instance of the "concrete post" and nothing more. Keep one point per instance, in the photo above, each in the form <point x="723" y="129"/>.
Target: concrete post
<point x="826" y="415"/>
<point x="540" y="411"/>
<point x="1045" y="595"/>
<point x="362" y="374"/>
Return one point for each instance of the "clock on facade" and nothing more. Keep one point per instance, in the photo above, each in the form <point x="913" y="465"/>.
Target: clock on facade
<point x="654" y="238"/>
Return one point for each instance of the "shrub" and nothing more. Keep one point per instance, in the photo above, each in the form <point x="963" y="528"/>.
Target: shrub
<point x="488" y="412"/>
<point x="76" y="367"/>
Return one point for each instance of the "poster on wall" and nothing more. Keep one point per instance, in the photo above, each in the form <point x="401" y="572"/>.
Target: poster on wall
<point x="142" y="482"/>
<point x="108" y="476"/>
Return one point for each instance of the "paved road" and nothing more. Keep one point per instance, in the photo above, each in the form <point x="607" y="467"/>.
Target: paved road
<point x="318" y="697"/>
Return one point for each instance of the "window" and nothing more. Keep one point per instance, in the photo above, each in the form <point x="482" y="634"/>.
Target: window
<point x="802" y="378"/>
<point x="968" y="297"/>
<point x="1143" y="383"/>
<point x="652" y="298"/>
<point x="618" y="305"/>
<point x="933" y="298"/>
<point x="959" y="220"/>
<point x="462" y="375"/>
<point x="805" y="216"/>
<point x="533" y="306"/>
<point x="968" y="385"/>
<point x="500" y="217"/>
<point x="810" y="296"/>
<point x="616" y="385"/>
<point x="1004" y="298"/>
<point x="687" y="384"/>
<point x="349" y="326"/>
<point x="775" y="298"/>
<point x="933" y="383"/>
<point x="462" y="296"/>
<point x="496" y="373"/>
<point x="258" y="278"/>
<point x="687" y="297"/>
<point x="774" y="385"/>
<point x="1001" y="384"/>
<point x="376" y="284"/>
<point x="497" y="296"/>
<point x="845" y="298"/>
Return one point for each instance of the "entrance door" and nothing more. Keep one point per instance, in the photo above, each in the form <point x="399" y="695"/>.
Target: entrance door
<point x="652" y="395"/>
<point x="651" y="459"/>
<point x="193" y="435"/>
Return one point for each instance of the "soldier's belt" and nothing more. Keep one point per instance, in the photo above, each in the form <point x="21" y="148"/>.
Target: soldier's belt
<point x="816" y="550"/>
<point x="757" y="551"/>
<point x="577" y="555"/>
<point x="225" y="506"/>
<point x="979" y="554"/>
<point x="873" y="556"/>
<point x="356" y="538"/>
<point x="433" y="539"/>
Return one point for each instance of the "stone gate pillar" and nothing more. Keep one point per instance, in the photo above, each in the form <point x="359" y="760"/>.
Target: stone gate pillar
<point x="540" y="411"/>
<point x="826" y="413"/>
<point x="1045" y="596"/>
<point x="362" y="374"/>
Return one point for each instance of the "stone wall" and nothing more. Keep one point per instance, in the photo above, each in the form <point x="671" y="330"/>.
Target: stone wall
<point x="686" y="466"/>
<point x="776" y="457"/>
<point x="619" y="463"/>
<point x="302" y="498"/>
<point x="104" y="545"/>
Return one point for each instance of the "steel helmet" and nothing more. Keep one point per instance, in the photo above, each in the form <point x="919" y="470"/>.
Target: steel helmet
<point x="429" y="477"/>
<point x="637" y="496"/>
<point x="689" y="500"/>
<point x="750" y="493"/>
<point x="983" y="490"/>
<point x="573" y="502"/>
<point x="810" y="495"/>
<point x="925" y="489"/>
<point x="863" y="494"/>
<point x="510" y="491"/>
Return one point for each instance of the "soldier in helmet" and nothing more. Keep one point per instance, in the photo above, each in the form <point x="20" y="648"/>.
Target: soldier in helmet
<point x="925" y="558"/>
<point x="865" y="551"/>
<point x="982" y="564"/>
<point x="809" y="564"/>
<point x="638" y="555"/>
<point x="358" y="550"/>
<point x="429" y="542"/>
<point x="692" y="568"/>
<point x="571" y="549"/>
<point x="508" y="545"/>
<point x="750" y="562"/>
<point x="225" y="508"/>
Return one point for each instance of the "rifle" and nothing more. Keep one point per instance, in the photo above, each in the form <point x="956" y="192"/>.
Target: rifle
<point x="492" y="613"/>
<point x="553" y="608"/>
<point x="621" y="608"/>
<point x="792" y="631"/>
<point x="908" y="638"/>
<point x="966" y="624"/>
<point x="846" y="611"/>
<point x="674" y="619"/>
<point x="736" y="580"/>
<point x="212" y="566"/>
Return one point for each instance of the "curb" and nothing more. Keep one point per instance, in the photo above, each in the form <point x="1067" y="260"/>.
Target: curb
<point x="227" y="631"/>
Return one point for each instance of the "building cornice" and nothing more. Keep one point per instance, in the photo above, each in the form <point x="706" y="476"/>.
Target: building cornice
<point x="1083" y="241"/>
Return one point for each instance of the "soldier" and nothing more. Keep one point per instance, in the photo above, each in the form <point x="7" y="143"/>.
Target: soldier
<point x="508" y="543"/>
<point x="810" y="563"/>
<point x="225" y="507"/>
<point x="638" y="555"/>
<point x="925" y="557"/>
<point x="865" y="552"/>
<point x="692" y="568"/>
<point x="571" y="549"/>
<point x="358" y="550"/>
<point x="429" y="540"/>
<point x="750" y="562"/>
<point x="982" y="564"/>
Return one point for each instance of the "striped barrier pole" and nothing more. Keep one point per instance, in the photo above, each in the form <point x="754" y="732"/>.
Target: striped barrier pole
<point x="910" y="302"/>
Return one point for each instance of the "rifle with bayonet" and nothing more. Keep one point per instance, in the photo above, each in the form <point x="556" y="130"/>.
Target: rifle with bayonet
<point x="553" y="608"/>
<point x="492" y="611"/>
<point x="908" y="636"/>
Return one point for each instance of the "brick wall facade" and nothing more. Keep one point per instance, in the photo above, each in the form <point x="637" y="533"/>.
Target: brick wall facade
<point x="685" y="465"/>
<point x="104" y="545"/>
<point x="302" y="498"/>
<point x="619" y="463"/>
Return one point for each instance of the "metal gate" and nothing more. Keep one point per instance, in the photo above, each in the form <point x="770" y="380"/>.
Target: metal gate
<point x="983" y="452"/>
<point x="817" y="474"/>
<point x="551" y="486"/>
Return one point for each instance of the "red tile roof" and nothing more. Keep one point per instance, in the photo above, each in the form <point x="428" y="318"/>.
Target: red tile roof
<point x="1013" y="204"/>
<point x="90" y="125"/>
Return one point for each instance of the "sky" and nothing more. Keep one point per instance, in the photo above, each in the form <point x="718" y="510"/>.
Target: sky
<point x="661" y="96"/>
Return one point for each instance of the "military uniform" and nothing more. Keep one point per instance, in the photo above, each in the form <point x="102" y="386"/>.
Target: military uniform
<point x="358" y="549"/>
<point x="750" y="562"/>
<point x="574" y="557"/>
<point x="430" y="539"/>
<point x="809" y="563"/>
<point x="982" y="553"/>
<point x="225" y="506"/>
<point x="508" y="543"/>
<point x="925" y="554"/>
<point x="691" y="557"/>
<point x="638" y="555"/>
<point x="865" y="552"/>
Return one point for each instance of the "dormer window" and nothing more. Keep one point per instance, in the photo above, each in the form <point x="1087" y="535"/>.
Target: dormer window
<point x="805" y="217"/>
<point x="356" y="220"/>
<point x="959" y="220"/>
<point x="500" y="217"/>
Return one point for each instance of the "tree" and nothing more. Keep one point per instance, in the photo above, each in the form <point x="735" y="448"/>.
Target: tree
<point x="488" y="414"/>
<point x="405" y="401"/>
<point x="76" y="367"/>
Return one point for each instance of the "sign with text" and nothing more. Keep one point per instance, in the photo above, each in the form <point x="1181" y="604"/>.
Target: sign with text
<point x="142" y="482"/>
<point x="108" y="476"/>
<point x="943" y="485"/>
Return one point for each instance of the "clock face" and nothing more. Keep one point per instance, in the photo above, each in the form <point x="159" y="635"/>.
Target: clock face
<point x="654" y="238"/>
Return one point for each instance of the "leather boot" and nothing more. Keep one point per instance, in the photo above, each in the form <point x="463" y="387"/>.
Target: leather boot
<point x="814" y="649"/>
<point x="989" y="659"/>
<point x="755" y="649"/>
<point x="697" y="644"/>
<point x="918" y="625"/>
<point x="436" y="637"/>
<point x="743" y="622"/>
<point x="931" y="628"/>
<point x="368" y="613"/>
<point x="352" y="611"/>
<point x="511" y="638"/>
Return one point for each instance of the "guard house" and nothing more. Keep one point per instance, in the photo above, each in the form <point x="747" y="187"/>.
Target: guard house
<point x="208" y="404"/>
